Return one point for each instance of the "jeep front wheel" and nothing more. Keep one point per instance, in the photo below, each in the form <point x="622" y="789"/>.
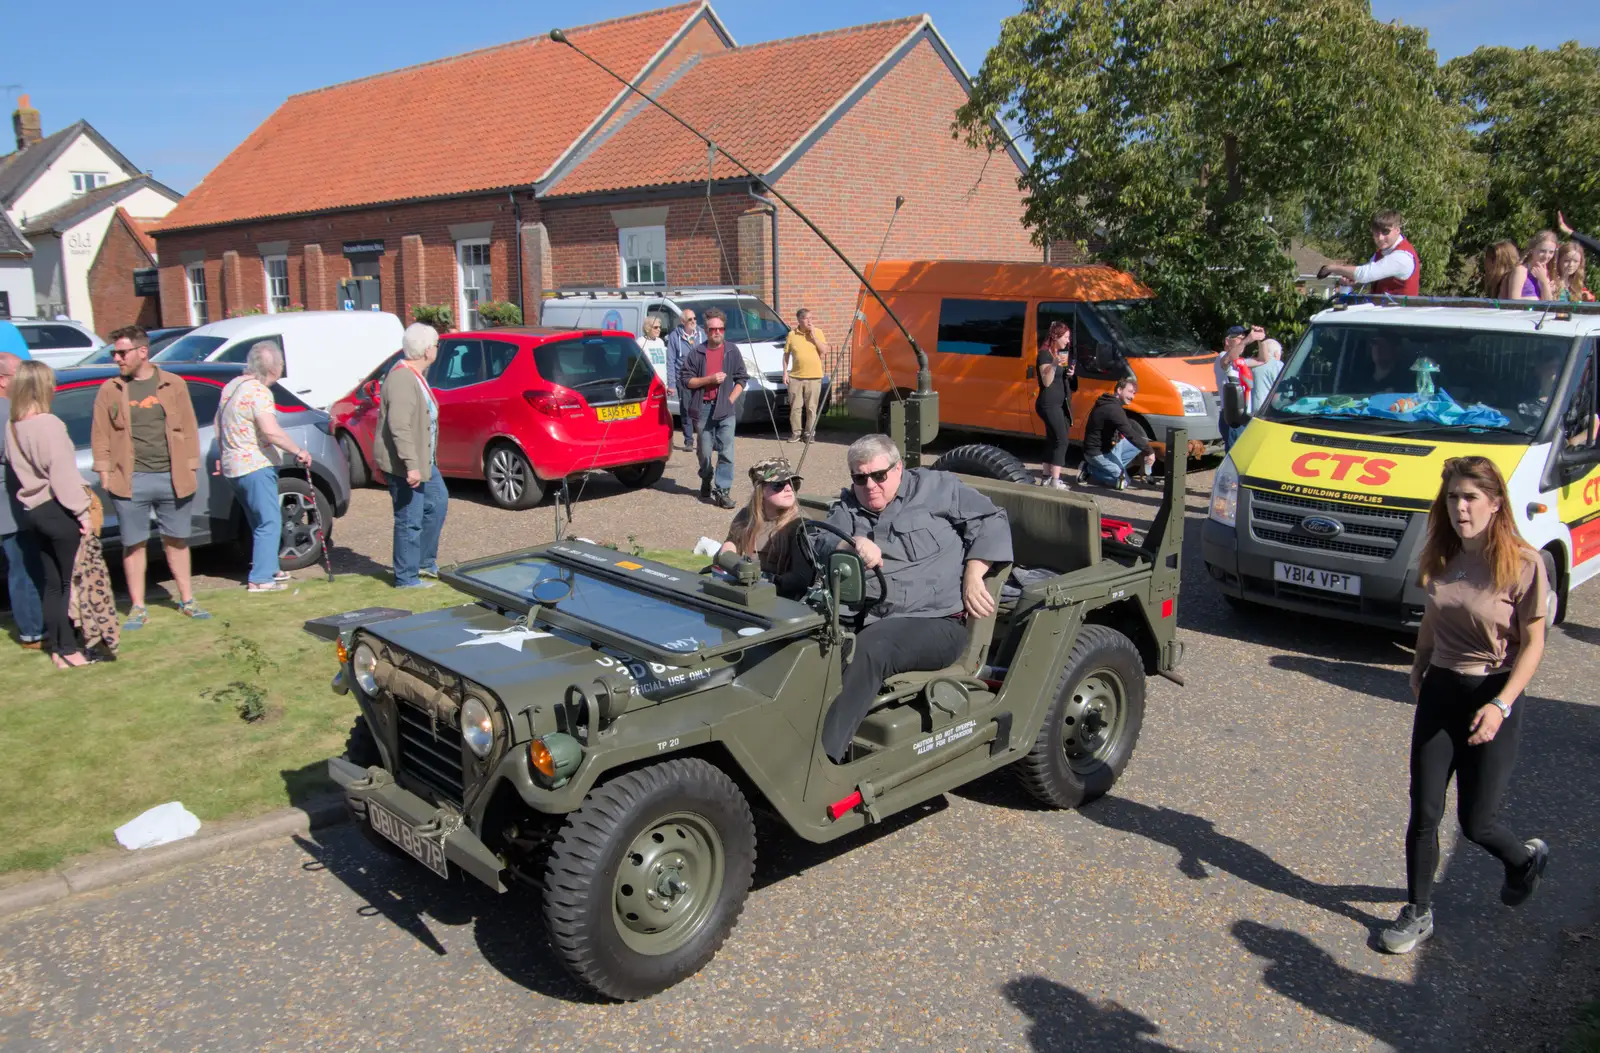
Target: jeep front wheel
<point x="648" y="877"/>
<point x="1089" y="735"/>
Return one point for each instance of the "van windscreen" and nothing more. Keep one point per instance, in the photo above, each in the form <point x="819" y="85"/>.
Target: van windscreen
<point x="1148" y="328"/>
<point x="190" y="348"/>
<point x="600" y="368"/>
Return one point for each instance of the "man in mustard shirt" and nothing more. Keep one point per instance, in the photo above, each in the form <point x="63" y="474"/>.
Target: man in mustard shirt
<point x="802" y="375"/>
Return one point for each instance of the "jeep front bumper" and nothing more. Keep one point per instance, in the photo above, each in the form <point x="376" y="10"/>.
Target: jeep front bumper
<point x="444" y="825"/>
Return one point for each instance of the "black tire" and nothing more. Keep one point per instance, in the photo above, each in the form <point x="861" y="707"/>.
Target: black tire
<point x="587" y="887"/>
<point x="510" y="478"/>
<point x="361" y="746"/>
<point x="1059" y="770"/>
<point x="298" y="548"/>
<point x="639" y="476"/>
<point x="1556" y="603"/>
<point x="986" y="462"/>
<point x="360" y="475"/>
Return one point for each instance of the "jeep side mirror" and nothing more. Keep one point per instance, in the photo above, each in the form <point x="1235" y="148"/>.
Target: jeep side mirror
<point x="846" y="577"/>
<point x="1233" y="406"/>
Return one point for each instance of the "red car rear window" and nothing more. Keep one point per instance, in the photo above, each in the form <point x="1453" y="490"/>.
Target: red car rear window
<point x="595" y="366"/>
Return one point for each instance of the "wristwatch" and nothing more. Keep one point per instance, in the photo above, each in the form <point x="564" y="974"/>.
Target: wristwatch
<point x="1503" y="707"/>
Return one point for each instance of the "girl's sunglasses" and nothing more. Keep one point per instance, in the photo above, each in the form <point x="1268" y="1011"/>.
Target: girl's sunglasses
<point x="879" y="477"/>
<point x="783" y="484"/>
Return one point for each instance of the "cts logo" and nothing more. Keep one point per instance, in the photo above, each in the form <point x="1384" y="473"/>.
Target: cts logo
<point x="1591" y="490"/>
<point x="1338" y="466"/>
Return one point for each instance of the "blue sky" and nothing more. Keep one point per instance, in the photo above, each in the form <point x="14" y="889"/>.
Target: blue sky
<point x="178" y="84"/>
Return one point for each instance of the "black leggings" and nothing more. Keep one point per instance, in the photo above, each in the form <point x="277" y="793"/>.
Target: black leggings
<point x="1438" y="750"/>
<point x="57" y="533"/>
<point x="1057" y="425"/>
<point x="894" y="645"/>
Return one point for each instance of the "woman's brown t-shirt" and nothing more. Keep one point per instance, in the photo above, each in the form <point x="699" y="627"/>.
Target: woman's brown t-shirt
<point x="1477" y="628"/>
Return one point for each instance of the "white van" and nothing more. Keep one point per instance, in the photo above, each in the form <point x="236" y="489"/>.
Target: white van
<point x="325" y="353"/>
<point x="753" y="327"/>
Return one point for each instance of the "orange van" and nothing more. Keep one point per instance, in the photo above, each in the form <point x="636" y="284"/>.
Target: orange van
<point x="980" y="322"/>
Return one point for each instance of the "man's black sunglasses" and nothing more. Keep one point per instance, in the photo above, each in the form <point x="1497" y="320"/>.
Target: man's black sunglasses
<point x="879" y="477"/>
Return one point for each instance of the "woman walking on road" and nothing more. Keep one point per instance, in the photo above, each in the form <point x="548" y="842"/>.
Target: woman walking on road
<point x="54" y="499"/>
<point x="1481" y="639"/>
<point x="1054" y="402"/>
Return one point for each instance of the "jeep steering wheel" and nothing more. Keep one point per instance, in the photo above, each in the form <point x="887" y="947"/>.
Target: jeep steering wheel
<point x="822" y="564"/>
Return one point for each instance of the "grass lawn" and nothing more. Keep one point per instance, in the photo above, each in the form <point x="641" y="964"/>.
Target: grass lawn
<point x="92" y="748"/>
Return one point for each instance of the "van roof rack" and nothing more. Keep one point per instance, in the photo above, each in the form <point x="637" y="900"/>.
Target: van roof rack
<point x="1556" y="308"/>
<point x="594" y="292"/>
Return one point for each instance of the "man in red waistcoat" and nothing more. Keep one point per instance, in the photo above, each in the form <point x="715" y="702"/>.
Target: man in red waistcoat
<point x="1395" y="268"/>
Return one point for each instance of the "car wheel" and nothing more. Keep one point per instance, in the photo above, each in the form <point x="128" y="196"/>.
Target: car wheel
<point x="361" y="747"/>
<point x="359" y="475"/>
<point x="648" y="877"/>
<point x="512" y="483"/>
<point x="1556" y="597"/>
<point x="639" y="476"/>
<point x="1093" y="725"/>
<point x="300" y="546"/>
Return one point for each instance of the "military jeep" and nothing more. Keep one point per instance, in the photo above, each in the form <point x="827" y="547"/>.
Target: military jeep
<point x="603" y="728"/>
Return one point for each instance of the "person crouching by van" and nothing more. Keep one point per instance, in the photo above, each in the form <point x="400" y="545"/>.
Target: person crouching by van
<point x="768" y="528"/>
<point x="1053" y="404"/>
<point x="406" y="450"/>
<point x="1481" y="638"/>
<point x="1111" y="442"/>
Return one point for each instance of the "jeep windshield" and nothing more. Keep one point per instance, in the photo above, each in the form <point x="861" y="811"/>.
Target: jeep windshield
<point x="1411" y="380"/>
<point x="674" y="625"/>
<point x="1147" y="328"/>
<point x="749" y="320"/>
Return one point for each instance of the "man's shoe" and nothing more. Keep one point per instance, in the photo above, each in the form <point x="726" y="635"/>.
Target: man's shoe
<point x="810" y="438"/>
<point x="429" y="572"/>
<point x="138" y="617"/>
<point x="34" y="643"/>
<point x="722" y="499"/>
<point x="191" y="609"/>
<point x="705" y="489"/>
<point x="1410" y="928"/>
<point x="1520" y="884"/>
<point x="419" y="584"/>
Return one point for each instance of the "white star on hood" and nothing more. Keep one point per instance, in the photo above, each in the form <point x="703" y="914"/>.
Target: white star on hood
<point x="512" y="637"/>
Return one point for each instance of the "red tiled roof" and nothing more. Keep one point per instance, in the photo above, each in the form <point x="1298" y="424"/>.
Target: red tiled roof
<point x="494" y="118"/>
<point x="756" y="101"/>
<point x="141" y="230"/>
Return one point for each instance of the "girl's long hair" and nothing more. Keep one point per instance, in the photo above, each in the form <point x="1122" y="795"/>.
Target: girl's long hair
<point x="1539" y="239"/>
<point x="755" y="518"/>
<point x="1056" y="329"/>
<point x="1504" y="550"/>
<point x="33" y="388"/>
<point x="1576" y="285"/>
<point x="1499" y="260"/>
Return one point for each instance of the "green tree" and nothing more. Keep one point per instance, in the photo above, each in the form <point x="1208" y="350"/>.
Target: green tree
<point x="1199" y="136"/>
<point x="1536" y="115"/>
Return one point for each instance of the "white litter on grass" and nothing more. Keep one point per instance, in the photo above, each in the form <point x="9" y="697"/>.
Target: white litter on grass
<point x="707" y="547"/>
<point x="161" y="824"/>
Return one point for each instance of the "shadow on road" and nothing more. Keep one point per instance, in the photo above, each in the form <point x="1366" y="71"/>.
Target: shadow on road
<point x="1584" y="633"/>
<point x="784" y="855"/>
<point x="1362" y="678"/>
<point x="1199" y="843"/>
<point x="1067" y="1021"/>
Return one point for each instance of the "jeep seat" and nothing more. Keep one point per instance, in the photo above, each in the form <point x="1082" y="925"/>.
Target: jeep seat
<point x="980" y="631"/>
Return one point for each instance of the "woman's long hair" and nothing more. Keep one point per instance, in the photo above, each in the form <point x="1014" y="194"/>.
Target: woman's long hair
<point x="756" y="519"/>
<point x="1575" y="286"/>
<point x="1499" y="260"/>
<point x="32" y="388"/>
<point x="1503" y="549"/>
<point x="1056" y="330"/>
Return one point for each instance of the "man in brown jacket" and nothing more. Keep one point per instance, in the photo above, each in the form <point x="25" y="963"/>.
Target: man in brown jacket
<point x="406" y="448"/>
<point x="146" y="445"/>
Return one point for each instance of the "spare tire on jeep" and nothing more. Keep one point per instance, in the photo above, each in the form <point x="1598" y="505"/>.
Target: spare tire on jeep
<point x="986" y="462"/>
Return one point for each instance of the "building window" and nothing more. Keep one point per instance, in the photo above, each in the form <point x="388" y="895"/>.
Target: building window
<point x="199" y="314"/>
<point x="277" y="268"/>
<point x="472" y="258"/>
<point x="644" y="255"/>
<point x="83" y="182"/>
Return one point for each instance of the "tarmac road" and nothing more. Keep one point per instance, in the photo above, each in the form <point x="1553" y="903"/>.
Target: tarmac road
<point x="1224" y="899"/>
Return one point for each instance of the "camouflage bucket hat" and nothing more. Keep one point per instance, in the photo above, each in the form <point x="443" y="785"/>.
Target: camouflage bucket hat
<point x="772" y="470"/>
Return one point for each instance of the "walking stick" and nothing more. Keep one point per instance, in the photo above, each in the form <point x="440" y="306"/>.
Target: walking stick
<point x="319" y="531"/>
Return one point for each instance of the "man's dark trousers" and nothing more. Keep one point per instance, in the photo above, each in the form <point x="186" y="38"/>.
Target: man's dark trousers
<point x="894" y="645"/>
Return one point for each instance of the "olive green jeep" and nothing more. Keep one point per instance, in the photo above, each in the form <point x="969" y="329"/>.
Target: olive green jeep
<point x="602" y="728"/>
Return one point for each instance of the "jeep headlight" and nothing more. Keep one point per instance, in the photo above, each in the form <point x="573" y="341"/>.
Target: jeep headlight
<point x="1194" y="400"/>
<point x="364" y="664"/>
<point x="1225" y="494"/>
<point x="477" y="726"/>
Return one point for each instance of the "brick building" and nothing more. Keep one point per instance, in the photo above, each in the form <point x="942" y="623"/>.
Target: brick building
<point x="567" y="180"/>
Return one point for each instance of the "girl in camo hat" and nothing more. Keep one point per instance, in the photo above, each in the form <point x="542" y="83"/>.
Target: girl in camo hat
<point x="768" y="527"/>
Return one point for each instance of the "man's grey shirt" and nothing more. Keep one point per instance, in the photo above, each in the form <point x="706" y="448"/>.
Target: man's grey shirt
<point x="927" y="533"/>
<point x="8" y="515"/>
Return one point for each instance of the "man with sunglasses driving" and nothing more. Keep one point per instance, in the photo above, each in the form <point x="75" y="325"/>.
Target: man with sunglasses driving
<point x="934" y="538"/>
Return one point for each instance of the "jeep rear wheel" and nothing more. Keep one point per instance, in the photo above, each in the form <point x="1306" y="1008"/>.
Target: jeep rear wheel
<point x="1091" y="730"/>
<point x="647" y="878"/>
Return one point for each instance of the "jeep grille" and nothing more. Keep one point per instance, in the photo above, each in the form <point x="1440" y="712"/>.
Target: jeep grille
<point x="430" y="752"/>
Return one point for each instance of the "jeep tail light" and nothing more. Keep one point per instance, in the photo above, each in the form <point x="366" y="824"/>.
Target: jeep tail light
<point x="557" y="403"/>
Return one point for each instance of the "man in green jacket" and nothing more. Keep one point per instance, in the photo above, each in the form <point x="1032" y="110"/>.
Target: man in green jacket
<point x="406" y="449"/>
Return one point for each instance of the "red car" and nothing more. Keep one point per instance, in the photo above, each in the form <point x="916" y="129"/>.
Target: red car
<point x="522" y="408"/>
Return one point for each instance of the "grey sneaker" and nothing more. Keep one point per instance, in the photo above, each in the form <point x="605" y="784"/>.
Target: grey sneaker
<point x="1520" y="885"/>
<point x="137" y="618"/>
<point x="191" y="609"/>
<point x="429" y="572"/>
<point x="1410" y="928"/>
<point x="420" y="584"/>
